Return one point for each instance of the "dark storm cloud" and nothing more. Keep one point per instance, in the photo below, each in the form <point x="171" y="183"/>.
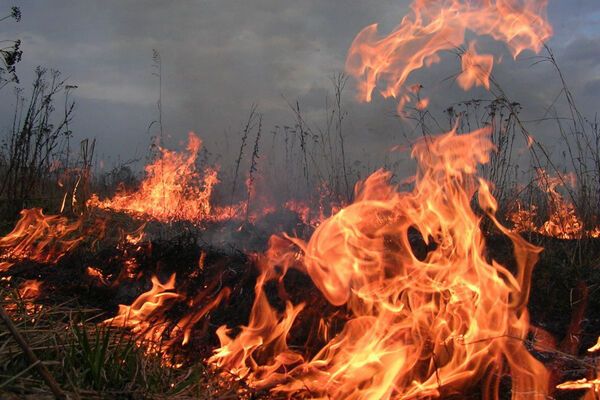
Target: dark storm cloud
<point x="220" y="56"/>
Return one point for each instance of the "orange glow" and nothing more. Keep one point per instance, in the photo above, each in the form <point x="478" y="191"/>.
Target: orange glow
<point x="563" y="221"/>
<point x="422" y="104"/>
<point x="476" y="69"/>
<point x="41" y="238"/>
<point x="96" y="275"/>
<point x="172" y="190"/>
<point x="418" y="327"/>
<point x="144" y="316"/>
<point x="593" y="385"/>
<point x="30" y="289"/>
<point x="440" y="25"/>
<point x="308" y="215"/>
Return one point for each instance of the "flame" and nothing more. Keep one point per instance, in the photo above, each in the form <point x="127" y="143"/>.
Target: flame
<point x="30" y="289"/>
<point x="438" y="25"/>
<point x="41" y="238"/>
<point x="308" y="215"/>
<point x="265" y="335"/>
<point x="476" y="69"/>
<point x="563" y="221"/>
<point x="96" y="275"/>
<point x="595" y="347"/>
<point x="417" y="327"/>
<point x="173" y="189"/>
<point x="422" y="104"/>
<point x="144" y="316"/>
<point x="593" y="385"/>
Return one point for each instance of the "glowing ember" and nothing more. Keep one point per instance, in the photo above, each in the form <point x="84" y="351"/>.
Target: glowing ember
<point x="418" y="328"/>
<point x="435" y="26"/>
<point x="30" y="289"/>
<point x="97" y="275"/>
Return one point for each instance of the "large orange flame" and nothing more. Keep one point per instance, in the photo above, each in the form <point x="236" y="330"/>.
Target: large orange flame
<point x="438" y="25"/>
<point x="418" y="327"/>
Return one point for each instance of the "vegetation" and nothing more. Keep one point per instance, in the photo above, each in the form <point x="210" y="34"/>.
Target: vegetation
<point x="89" y="360"/>
<point x="307" y="160"/>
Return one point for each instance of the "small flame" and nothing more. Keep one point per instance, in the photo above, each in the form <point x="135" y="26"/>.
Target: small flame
<point x="97" y="275"/>
<point x="476" y="69"/>
<point x="595" y="347"/>
<point x="144" y="316"/>
<point x="563" y="221"/>
<point x="592" y="385"/>
<point x="422" y="104"/>
<point x="30" y="289"/>
<point x="41" y="238"/>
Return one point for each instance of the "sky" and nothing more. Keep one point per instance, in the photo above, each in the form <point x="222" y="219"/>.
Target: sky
<point x="221" y="56"/>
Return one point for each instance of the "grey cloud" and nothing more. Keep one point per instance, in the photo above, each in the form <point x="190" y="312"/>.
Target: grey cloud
<point x="220" y="56"/>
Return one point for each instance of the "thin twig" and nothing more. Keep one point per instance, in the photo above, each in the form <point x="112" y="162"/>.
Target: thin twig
<point x="41" y="368"/>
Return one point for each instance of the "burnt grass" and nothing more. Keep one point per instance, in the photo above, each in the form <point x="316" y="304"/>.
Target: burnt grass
<point x="564" y="299"/>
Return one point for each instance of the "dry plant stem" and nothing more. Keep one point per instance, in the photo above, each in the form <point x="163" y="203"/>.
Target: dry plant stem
<point x="41" y="368"/>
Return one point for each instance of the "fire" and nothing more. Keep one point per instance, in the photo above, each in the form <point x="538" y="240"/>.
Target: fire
<point x="144" y="316"/>
<point x="417" y="327"/>
<point x="476" y="69"/>
<point x="438" y="25"/>
<point x="39" y="237"/>
<point x="96" y="275"/>
<point x="593" y="385"/>
<point x="308" y="215"/>
<point x="563" y="221"/>
<point x="173" y="188"/>
<point x="147" y="316"/>
<point x="30" y="289"/>
<point x="418" y="322"/>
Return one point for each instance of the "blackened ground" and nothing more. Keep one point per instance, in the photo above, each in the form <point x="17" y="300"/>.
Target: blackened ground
<point x="564" y="301"/>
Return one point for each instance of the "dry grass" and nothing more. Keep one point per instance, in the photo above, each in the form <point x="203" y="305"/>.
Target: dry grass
<point x="91" y="360"/>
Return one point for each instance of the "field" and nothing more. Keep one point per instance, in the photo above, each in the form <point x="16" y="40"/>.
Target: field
<point x="287" y="269"/>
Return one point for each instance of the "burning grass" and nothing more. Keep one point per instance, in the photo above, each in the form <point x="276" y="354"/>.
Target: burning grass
<point x="77" y="316"/>
<point x="153" y="301"/>
<point x="160" y="291"/>
<point x="89" y="360"/>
